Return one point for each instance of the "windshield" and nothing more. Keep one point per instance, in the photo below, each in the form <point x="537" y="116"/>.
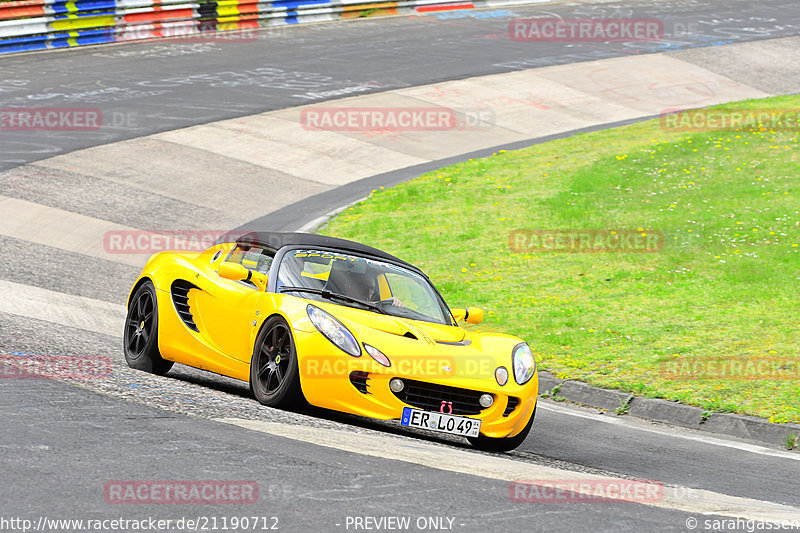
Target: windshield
<point x="356" y="281"/>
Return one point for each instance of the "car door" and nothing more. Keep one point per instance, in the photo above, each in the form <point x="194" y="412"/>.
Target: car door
<point x="227" y="308"/>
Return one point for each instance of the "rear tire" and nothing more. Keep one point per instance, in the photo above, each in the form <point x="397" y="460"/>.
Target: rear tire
<point x="274" y="375"/>
<point x="505" y="444"/>
<point x="140" y="340"/>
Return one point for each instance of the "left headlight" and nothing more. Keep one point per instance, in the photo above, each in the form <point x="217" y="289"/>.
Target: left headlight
<point x="523" y="363"/>
<point x="334" y="330"/>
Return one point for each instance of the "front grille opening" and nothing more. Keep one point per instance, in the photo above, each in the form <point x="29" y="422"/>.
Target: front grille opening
<point x="429" y="396"/>
<point x="512" y="404"/>
<point x="359" y="380"/>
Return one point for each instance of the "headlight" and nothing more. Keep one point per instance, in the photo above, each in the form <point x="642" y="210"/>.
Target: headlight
<point x="333" y="330"/>
<point x="523" y="362"/>
<point x="378" y="355"/>
<point x="501" y="375"/>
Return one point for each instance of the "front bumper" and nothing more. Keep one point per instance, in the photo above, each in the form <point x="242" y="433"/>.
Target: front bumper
<point x="333" y="380"/>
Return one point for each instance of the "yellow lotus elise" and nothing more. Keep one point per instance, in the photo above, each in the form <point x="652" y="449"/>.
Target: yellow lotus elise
<point x="337" y="324"/>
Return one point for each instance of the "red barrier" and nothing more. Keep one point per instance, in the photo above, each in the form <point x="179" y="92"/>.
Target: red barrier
<point x="158" y="15"/>
<point x="24" y="8"/>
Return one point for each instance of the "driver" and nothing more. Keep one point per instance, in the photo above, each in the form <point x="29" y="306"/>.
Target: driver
<point x="361" y="285"/>
<point x="366" y="289"/>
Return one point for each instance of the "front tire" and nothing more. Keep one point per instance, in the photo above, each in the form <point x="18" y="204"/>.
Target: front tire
<point x="140" y="340"/>
<point x="274" y="375"/>
<point x="506" y="444"/>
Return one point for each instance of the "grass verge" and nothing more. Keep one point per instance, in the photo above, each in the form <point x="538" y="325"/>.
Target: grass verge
<point x="710" y="320"/>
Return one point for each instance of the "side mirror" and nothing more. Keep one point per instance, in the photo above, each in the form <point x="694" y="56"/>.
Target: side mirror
<point x="237" y="272"/>
<point x="472" y="315"/>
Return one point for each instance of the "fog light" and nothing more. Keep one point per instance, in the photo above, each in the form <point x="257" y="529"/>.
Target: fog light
<point x="396" y="385"/>
<point x="501" y="375"/>
<point x="486" y="400"/>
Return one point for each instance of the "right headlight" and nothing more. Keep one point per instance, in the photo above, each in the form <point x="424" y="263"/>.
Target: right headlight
<point x="523" y="363"/>
<point x="333" y="330"/>
<point x="378" y="355"/>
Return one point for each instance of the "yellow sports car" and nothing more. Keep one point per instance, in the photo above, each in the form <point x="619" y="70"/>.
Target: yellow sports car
<point x="338" y="324"/>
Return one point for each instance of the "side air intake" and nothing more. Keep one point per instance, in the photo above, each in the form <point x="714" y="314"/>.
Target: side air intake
<point x="180" y="298"/>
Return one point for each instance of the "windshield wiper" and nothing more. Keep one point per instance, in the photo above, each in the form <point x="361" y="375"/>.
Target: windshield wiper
<point x="328" y="295"/>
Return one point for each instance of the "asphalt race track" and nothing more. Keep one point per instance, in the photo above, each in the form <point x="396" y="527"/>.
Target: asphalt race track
<point x="62" y="443"/>
<point x="173" y="85"/>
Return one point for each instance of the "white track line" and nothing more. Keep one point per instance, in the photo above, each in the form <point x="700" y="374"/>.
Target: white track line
<point x="742" y="446"/>
<point x="696" y="501"/>
<point x="65" y="309"/>
<point x="58" y="228"/>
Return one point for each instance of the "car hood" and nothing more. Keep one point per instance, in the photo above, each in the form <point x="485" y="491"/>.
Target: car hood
<point x="403" y="327"/>
<point x="422" y="350"/>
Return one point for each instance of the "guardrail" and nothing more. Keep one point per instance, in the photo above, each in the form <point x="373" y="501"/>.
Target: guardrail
<point x="45" y="24"/>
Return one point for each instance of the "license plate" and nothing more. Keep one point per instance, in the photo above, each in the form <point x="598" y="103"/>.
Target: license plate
<point x="455" y="425"/>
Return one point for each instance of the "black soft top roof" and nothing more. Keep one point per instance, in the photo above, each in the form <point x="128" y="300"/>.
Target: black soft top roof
<point x="277" y="240"/>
